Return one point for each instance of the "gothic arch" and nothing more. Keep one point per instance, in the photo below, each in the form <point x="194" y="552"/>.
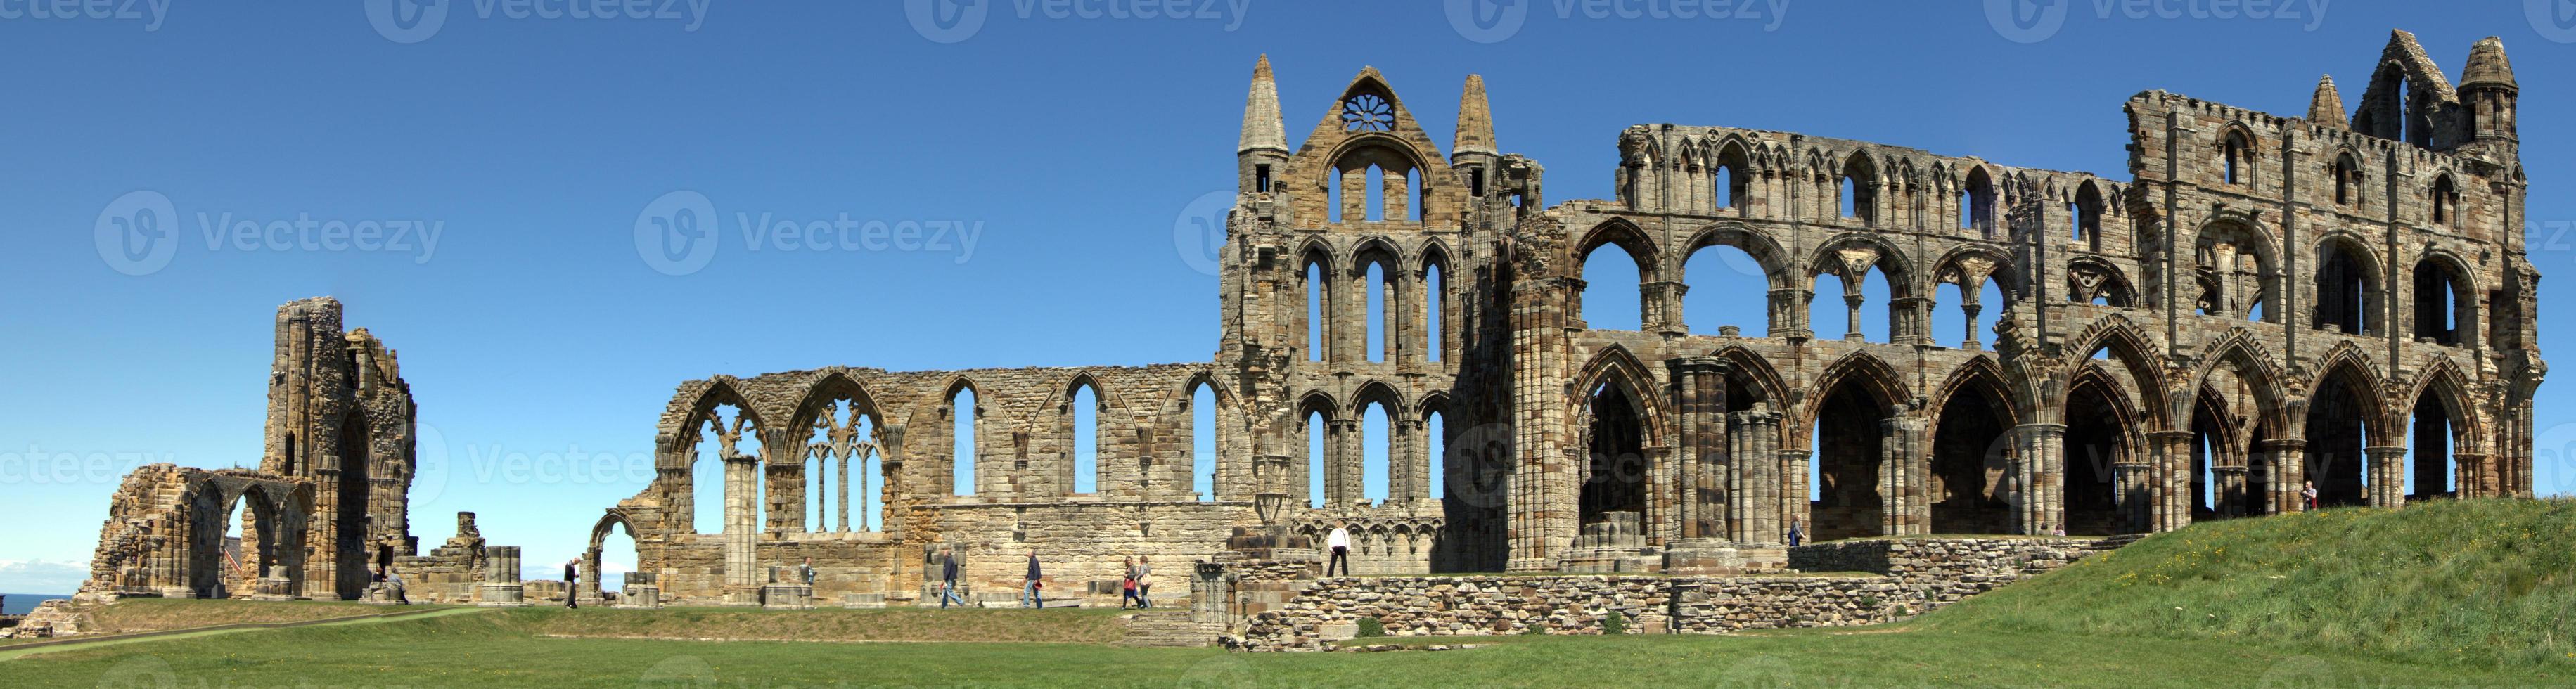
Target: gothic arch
<point x="1979" y="371"/>
<point x="1630" y="239"/>
<point x="1614" y="365"/>
<point x="2253" y="362"/>
<point x="2135" y="351"/>
<point x="719" y="391"/>
<point x="834" y="385"/>
<point x="1764" y="250"/>
<point x="2444" y="383"/>
<point x="1871" y="373"/>
<point x="1757" y="374"/>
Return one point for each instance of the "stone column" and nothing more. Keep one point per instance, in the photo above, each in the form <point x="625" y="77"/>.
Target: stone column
<point x="1910" y="323"/>
<point x="1968" y="341"/>
<point x="1795" y="505"/>
<point x="741" y="528"/>
<point x="2232" y="500"/>
<point x="2288" y="472"/>
<point x="2038" y="484"/>
<point x="2387" y="476"/>
<point x="2171" y="452"/>
<point x="501" y="587"/>
<point x="1342" y="485"/>
<point x="1852" y="299"/>
<point x="841" y="483"/>
<point x="1754" y="500"/>
<point x="1702" y="457"/>
<point x="1789" y="313"/>
<point x="1903" y="510"/>
<point x="1663" y="307"/>
<point x="2134" y="503"/>
<point x="2472" y="475"/>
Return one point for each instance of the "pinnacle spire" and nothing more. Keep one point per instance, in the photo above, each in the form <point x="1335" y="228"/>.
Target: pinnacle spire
<point x="2487" y="65"/>
<point x="1261" y="125"/>
<point x="1475" y="120"/>
<point x="2326" y="107"/>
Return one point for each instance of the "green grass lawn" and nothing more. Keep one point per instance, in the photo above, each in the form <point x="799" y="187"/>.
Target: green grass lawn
<point x="2447" y="594"/>
<point x="490" y="649"/>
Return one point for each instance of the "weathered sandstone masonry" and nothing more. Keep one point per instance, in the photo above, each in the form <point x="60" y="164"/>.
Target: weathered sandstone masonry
<point x="2341" y="298"/>
<point x="1916" y="576"/>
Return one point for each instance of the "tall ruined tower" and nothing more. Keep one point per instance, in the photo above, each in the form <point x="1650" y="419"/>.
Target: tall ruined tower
<point x="341" y="417"/>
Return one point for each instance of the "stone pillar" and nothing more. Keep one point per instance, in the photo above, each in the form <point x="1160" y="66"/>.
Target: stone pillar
<point x="2171" y="481"/>
<point x="2472" y="475"/>
<point x="2387" y="476"/>
<point x="1852" y="299"/>
<point x="501" y="587"/>
<point x="1968" y="305"/>
<point x="1795" y="505"/>
<point x="1663" y="307"/>
<point x="1754" y="505"/>
<point x="2134" y="502"/>
<point x="841" y="485"/>
<point x="2038" y="486"/>
<point x="2232" y="500"/>
<point x="1342" y="482"/>
<point x="741" y="524"/>
<point x="1701" y="456"/>
<point x="1904" y="509"/>
<point x="1911" y="322"/>
<point x="2288" y="472"/>
<point x="1789" y="314"/>
<point x="1546" y="464"/>
<point x="1212" y="596"/>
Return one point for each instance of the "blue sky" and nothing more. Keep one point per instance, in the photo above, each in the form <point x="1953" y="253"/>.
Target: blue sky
<point x="1066" y="148"/>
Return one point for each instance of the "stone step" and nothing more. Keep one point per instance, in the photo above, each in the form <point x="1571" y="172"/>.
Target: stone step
<point x="1166" y="630"/>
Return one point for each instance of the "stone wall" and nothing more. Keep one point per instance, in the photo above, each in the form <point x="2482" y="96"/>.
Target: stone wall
<point x="1939" y="558"/>
<point x="1928" y="574"/>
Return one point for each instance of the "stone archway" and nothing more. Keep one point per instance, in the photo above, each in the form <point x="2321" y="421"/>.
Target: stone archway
<point x="1614" y="476"/>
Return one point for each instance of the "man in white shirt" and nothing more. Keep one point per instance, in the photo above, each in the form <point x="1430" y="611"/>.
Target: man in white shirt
<point x="1340" y="541"/>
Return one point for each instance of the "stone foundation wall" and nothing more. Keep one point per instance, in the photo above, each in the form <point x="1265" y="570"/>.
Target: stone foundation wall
<point x="1915" y="576"/>
<point x="1940" y="558"/>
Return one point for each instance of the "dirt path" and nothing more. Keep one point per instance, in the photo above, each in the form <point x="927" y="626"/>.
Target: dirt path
<point x="8" y="654"/>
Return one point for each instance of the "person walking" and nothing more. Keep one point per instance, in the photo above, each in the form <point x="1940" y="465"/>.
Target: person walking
<point x="948" y="580"/>
<point x="1029" y="593"/>
<point x="1127" y="586"/>
<point x="1340" y="542"/>
<point x="1144" y="581"/>
<point x="805" y="572"/>
<point x="2308" y="492"/>
<point x="1796" y="535"/>
<point x="572" y="583"/>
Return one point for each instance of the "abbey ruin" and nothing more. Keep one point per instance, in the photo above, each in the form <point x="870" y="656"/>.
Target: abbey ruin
<point x="2340" y="299"/>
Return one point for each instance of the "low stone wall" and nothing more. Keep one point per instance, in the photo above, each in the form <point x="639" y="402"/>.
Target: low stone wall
<point x="1914" y="576"/>
<point x="1940" y="558"/>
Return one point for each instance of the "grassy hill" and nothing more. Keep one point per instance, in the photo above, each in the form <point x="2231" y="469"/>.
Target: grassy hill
<point x="2477" y="581"/>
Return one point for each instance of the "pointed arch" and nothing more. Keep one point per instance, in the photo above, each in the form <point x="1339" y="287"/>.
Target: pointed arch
<point x="2129" y="344"/>
<point x="1629" y="238"/>
<point x="1755" y="375"/>
<point x="1227" y="472"/>
<point x="1971" y="450"/>
<point x="1865" y="370"/>
<point x="2251" y="361"/>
